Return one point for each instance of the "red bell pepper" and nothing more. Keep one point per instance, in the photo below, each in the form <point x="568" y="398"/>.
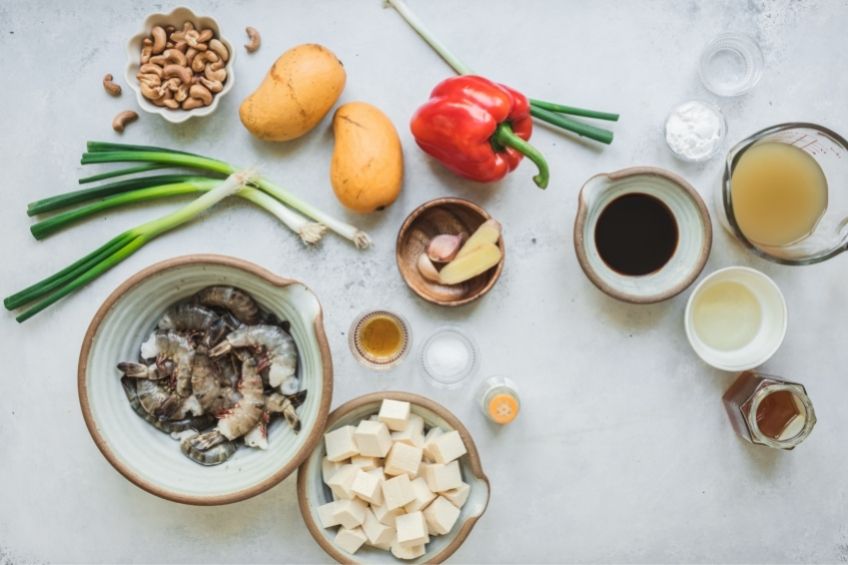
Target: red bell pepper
<point x="478" y="129"/>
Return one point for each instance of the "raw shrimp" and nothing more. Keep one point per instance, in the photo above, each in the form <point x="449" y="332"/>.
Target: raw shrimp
<point x="156" y="399"/>
<point x="214" y="454"/>
<point x="174" y="347"/>
<point x="238" y="302"/>
<point x="167" y="426"/>
<point x="194" y="319"/>
<point x="212" y="389"/>
<point x="279" y="347"/>
<point x="286" y="405"/>
<point x="154" y="371"/>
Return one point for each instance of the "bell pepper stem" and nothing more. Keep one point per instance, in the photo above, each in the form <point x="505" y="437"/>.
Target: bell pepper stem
<point x="507" y="138"/>
<point x="439" y="47"/>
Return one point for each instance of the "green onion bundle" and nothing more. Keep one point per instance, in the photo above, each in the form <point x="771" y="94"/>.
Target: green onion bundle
<point x="219" y="181"/>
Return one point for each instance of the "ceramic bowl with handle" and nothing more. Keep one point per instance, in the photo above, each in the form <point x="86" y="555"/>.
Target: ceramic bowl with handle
<point x="694" y="233"/>
<point x="175" y="18"/>
<point x="152" y="459"/>
<point x="312" y="492"/>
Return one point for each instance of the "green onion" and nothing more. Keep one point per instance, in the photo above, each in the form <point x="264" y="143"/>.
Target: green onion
<point x="81" y="272"/>
<point x="560" y="109"/>
<point x="309" y="232"/>
<point x="592" y="132"/>
<point x="101" y="152"/>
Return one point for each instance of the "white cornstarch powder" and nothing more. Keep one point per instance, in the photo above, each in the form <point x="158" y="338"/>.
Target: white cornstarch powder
<point x="694" y="130"/>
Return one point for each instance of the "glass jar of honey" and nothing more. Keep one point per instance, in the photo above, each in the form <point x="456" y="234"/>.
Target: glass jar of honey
<point x="769" y="411"/>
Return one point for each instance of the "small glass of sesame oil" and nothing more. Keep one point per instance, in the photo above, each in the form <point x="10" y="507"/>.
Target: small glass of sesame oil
<point x="380" y="339"/>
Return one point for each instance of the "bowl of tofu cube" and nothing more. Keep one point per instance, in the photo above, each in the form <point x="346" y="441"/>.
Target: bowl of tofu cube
<point x="397" y="478"/>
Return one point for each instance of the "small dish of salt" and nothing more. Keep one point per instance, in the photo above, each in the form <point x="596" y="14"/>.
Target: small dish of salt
<point x="449" y="357"/>
<point x="694" y="130"/>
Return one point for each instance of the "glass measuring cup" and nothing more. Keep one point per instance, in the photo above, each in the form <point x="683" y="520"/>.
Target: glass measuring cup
<point x="829" y="236"/>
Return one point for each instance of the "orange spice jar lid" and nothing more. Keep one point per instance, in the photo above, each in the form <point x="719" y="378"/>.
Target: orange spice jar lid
<point x="503" y="408"/>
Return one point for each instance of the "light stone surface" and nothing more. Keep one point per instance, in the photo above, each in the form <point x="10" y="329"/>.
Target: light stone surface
<point x="622" y="451"/>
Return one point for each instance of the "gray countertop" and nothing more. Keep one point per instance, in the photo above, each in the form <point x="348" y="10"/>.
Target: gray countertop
<point x="622" y="452"/>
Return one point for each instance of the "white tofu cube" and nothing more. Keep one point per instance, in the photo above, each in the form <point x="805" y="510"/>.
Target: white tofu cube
<point x="395" y="414"/>
<point x="414" y="432"/>
<point x="403" y="458"/>
<point x="378" y="472"/>
<point x="372" y="438"/>
<point x="397" y="492"/>
<point x="378" y="533"/>
<point x="423" y="496"/>
<point x="447" y="447"/>
<point x="407" y="551"/>
<point x="363" y="462"/>
<point x="367" y="487"/>
<point x="326" y="514"/>
<point x="441" y="515"/>
<point x="459" y="495"/>
<point x="350" y="540"/>
<point x="341" y="483"/>
<point x="329" y="468"/>
<point x="434" y="432"/>
<point x="412" y="529"/>
<point x="384" y="515"/>
<point x="350" y="513"/>
<point x="340" y="444"/>
<point x="441" y="477"/>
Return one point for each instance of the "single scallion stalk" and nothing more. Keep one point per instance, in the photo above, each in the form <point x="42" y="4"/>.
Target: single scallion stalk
<point x="59" y="201"/>
<point x="586" y="130"/>
<point x="574" y="111"/>
<point x="122" y="172"/>
<point x="83" y="271"/>
<point x="309" y="232"/>
<point x="101" y="152"/>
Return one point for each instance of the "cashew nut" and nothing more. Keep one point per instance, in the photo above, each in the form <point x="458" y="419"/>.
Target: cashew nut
<point x="215" y="74"/>
<point x="121" y="120"/>
<point x="172" y="84"/>
<point x="181" y="46"/>
<point x="159" y="39"/>
<point x="191" y="38"/>
<point x="205" y="35"/>
<point x="255" y="39"/>
<point x="171" y="103"/>
<point x="176" y="57"/>
<point x="150" y="68"/>
<point x="151" y="80"/>
<point x="159" y="60"/>
<point x="214" y="86"/>
<point x="145" y="53"/>
<point x="190" y="54"/>
<point x="187" y="26"/>
<point x="183" y="73"/>
<point x="220" y="49"/>
<point x="151" y="92"/>
<point x="111" y="87"/>
<point x="191" y="103"/>
<point x="201" y="92"/>
<point x="181" y="93"/>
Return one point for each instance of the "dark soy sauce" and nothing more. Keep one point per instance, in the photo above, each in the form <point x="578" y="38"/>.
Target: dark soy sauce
<point x="636" y="234"/>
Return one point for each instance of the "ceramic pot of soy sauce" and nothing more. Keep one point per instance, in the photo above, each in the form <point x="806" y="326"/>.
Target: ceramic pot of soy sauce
<point x="642" y="235"/>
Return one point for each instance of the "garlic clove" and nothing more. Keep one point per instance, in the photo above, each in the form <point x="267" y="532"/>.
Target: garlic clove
<point x="427" y="269"/>
<point x="443" y="248"/>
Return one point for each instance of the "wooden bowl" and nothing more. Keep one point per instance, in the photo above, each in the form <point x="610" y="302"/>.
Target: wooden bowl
<point x="442" y="216"/>
<point x="150" y="458"/>
<point x="312" y="492"/>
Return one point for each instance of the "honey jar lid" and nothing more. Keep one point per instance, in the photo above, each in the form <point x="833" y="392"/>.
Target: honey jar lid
<point x="503" y="408"/>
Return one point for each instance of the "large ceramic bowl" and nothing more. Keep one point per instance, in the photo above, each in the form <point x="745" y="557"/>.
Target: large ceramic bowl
<point x="150" y="458"/>
<point x="176" y="19"/>
<point x="312" y="492"/>
<point x="694" y="233"/>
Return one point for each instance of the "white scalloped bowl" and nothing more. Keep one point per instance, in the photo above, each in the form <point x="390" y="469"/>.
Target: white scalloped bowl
<point x="152" y="459"/>
<point x="312" y="492"/>
<point x="175" y="18"/>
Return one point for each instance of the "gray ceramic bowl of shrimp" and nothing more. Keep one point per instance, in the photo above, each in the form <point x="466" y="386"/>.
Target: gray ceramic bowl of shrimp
<point x="312" y="492"/>
<point x="152" y="459"/>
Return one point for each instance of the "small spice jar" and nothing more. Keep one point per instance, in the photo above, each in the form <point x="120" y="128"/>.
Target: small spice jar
<point x="499" y="400"/>
<point x="769" y="411"/>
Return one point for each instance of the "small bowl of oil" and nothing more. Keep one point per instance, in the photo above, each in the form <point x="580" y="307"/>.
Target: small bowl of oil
<point x="736" y="318"/>
<point x="380" y="339"/>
